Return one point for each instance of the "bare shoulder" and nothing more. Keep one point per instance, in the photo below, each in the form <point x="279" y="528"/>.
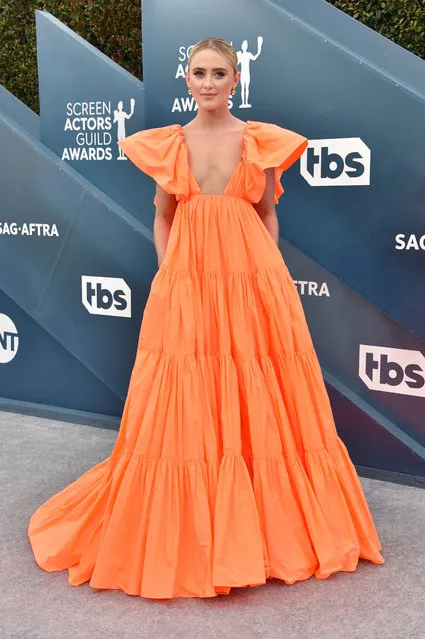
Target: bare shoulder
<point x="238" y="125"/>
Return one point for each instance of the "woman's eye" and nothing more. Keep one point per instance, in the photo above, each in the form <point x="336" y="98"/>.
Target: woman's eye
<point x="219" y="74"/>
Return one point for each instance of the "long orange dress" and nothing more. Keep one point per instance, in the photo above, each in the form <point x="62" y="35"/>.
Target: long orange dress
<point x="227" y="469"/>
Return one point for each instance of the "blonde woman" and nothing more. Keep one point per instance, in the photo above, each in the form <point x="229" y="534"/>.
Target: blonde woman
<point x="227" y="469"/>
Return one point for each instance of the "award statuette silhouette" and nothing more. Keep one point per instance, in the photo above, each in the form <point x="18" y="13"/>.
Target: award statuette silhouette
<point x="244" y="59"/>
<point x="121" y="116"/>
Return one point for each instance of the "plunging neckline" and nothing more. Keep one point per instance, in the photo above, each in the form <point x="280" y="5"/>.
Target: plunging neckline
<point x="236" y="169"/>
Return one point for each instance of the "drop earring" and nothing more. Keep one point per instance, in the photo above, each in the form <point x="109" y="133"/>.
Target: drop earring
<point x="188" y="90"/>
<point x="234" y="90"/>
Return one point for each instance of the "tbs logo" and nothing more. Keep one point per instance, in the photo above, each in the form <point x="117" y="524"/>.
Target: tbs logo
<point x="392" y="370"/>
<point x="336" y="162"/>
<point x="9" y="339"/>
<point x="106" y="296"/>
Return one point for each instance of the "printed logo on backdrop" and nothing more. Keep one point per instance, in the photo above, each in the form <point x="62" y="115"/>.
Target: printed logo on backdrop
<point x="243" y="90"/>
<point x="28" y="229"/>
<point x="316" y="289"/>
<point x="336" y="162"/>
<point x="9" y="339"/>
<point x="409" y="242"/>
<point x="94" y="128"/>
<point x="106" y="296"/>
<point x="392" y="370"/>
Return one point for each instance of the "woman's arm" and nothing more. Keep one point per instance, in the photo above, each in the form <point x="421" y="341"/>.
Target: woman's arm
<point x="164" y="214"/>
<point x="266" y="209"/>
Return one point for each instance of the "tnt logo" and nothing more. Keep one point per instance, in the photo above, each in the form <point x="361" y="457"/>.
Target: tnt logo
<point x="9" y="339"/>
<point x="336" y="162"/>
<point x="106" y="296"/>
<point x="392" y="370"/>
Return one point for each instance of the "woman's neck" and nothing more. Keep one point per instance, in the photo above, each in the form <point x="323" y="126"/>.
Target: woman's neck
<point x="213" y="120"/>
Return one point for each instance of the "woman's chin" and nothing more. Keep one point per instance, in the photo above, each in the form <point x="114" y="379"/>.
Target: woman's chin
<point x="210" y="104"/>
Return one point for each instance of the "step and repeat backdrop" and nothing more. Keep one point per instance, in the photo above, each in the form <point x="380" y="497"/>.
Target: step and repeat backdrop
<point x="76" y="245"/>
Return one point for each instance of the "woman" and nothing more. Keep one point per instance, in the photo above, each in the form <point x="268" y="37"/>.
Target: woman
<point x="227" y="469"/>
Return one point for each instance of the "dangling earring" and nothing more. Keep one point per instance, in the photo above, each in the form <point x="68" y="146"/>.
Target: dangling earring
<point x="188" y="90"/>
<point x="234" y="90"/>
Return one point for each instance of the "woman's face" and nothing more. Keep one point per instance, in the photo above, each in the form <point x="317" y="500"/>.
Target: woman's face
<point x="211" y="79"/>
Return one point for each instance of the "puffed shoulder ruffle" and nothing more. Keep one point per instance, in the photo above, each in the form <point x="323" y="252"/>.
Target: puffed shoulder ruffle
<point x="159" y="153"/>
<point x="269" y="146"/>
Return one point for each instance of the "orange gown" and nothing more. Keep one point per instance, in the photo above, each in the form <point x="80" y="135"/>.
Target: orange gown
<point x="227" y="469"/>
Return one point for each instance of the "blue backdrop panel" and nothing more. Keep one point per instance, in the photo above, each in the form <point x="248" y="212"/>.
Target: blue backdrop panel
<point x="43" y="273"/>
<point x="84" y="106"/>
<point x="379" y="446"/>
<point x="350" y="218"/>
<point x="308" y="80"/>
<point x="359" y="184"/>
<point x="107" y="344"/>
<point x="37" y="191"/>
<point x="40" y="358"/>
<point x="358" y="322"/>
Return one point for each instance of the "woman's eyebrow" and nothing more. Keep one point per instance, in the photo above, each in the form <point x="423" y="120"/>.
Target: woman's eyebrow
<point x="215" y="69"/>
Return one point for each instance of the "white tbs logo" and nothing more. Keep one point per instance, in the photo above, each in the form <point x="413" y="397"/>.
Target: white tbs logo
<point x="392" y="370"/>
<point x="336" y="162"/>
<point x="106" y="296"/>
<point x="9" y="339"/>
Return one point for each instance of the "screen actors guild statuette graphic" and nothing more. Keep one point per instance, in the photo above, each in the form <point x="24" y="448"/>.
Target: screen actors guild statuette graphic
<point x="245" y="58"/>
<point x="121" y="116"/>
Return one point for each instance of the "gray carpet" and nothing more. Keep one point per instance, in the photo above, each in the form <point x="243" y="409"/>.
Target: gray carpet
<point x="39" y="457"/>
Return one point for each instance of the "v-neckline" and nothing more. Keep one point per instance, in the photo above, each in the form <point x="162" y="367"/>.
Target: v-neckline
<point x="236" y="169"/>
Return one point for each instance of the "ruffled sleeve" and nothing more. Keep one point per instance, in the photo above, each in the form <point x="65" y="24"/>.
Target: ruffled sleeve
<point x="158" y="153"/>
<point x="268" y="146"/>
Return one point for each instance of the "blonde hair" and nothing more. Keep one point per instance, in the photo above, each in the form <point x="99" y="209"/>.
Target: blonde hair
<point x="223" y="47"/>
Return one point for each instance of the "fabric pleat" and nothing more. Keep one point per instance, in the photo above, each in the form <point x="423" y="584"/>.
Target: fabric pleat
<point x="227" y="469"/>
